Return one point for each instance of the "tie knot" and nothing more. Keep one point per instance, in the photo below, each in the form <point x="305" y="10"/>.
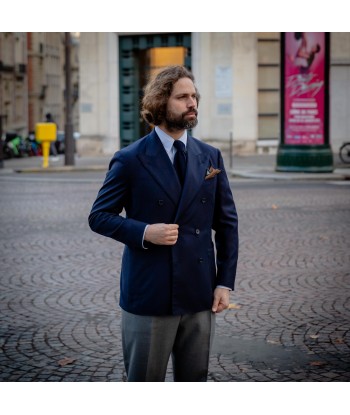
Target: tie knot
<point x="179" y="145"/>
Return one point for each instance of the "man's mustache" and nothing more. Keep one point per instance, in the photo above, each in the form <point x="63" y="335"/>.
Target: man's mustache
<point x="195" y="112"/>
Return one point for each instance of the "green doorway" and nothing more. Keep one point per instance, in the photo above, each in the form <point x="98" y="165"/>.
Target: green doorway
<point x="141" y="57"/>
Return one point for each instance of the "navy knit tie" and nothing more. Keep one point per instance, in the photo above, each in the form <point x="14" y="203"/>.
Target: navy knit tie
<point x="180" y="160"/>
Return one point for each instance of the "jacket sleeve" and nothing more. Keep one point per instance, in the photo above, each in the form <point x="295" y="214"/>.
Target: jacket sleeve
<point x="225" y="226"/>
<point x="105" y="217"/>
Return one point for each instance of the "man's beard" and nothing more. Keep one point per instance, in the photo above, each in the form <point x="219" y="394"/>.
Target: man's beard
<point x="178" y="123"/>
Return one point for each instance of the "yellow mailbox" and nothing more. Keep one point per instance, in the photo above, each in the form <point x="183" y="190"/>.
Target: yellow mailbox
<point x="45" y="133"/>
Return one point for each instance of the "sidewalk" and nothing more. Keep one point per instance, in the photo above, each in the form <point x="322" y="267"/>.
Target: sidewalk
<point x="34" y="164"/>
<point x="248" y="167"/>
<point x="263" y="167"/>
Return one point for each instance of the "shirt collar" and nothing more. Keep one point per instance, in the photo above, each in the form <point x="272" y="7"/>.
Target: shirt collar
<point x="167" y="140"/>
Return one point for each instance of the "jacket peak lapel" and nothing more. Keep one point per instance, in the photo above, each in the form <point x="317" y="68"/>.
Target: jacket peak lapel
<point x="158" y="164"/>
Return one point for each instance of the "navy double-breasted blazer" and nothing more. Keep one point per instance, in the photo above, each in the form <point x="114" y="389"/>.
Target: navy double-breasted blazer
<point x="140" y="188"/>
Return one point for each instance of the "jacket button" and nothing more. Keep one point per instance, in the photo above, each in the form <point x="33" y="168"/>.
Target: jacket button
<point x="203" y="200"/>
<point x="198" y="231"/>
<point x="160" y="202"/>
<point x="200" y="260"/>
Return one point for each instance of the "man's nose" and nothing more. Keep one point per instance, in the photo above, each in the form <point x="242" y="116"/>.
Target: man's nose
<point x="191" y="102"/>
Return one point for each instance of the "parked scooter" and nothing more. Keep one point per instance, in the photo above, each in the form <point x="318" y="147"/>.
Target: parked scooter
<point x="13" y="146"/>
<point x="33" y="147"/>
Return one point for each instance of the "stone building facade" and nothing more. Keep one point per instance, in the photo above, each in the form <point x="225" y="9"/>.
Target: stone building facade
<point x="238" y="75"/>
<point x="13" y="82"/>
<point x="32" y="80"/>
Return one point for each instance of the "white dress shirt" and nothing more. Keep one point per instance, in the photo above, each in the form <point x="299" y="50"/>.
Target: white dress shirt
<point x="168" y="142"/>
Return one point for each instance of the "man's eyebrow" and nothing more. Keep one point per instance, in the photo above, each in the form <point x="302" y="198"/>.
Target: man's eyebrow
<point x="179" y="94"/>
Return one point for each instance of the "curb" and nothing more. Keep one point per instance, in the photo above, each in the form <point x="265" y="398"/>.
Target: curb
<point x="337" y="175"/>
<point x="62" y="169"/>
<point x="290" y="176"/>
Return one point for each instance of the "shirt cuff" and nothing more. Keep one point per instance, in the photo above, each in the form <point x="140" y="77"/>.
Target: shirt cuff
<point x="143" y="237"/>
<point x="222" y="286"/>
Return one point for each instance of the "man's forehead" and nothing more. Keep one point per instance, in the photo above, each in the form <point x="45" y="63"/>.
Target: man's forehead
<point x="184" y="85"/>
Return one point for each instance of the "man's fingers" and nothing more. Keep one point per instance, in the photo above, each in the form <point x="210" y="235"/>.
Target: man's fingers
<point x="218" y="307"/>
<point x="172" y="225"/>
<point x="221" y="300"/>
<point x="162" y="233"/>
<point x="171" y="234"/>
<point x="215" y="305"/>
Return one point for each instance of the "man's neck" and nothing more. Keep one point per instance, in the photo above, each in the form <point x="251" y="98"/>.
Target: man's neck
<point x="175" y="134"/>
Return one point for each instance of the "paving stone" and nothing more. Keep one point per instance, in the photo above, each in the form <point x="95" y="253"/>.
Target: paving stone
<point x="59" y="286"/>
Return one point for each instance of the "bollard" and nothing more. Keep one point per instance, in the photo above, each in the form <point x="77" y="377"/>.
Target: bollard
<point x="45" y="133"/>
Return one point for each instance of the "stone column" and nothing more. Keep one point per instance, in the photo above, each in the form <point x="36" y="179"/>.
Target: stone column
<point x="245" y="91"/>
<point x="99" y="94"/>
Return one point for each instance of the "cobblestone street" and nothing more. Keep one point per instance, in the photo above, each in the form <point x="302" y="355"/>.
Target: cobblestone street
<point x="290" y="314"/>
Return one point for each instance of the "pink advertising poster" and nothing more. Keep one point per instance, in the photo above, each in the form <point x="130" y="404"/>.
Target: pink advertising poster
<point x="304" y="88"/>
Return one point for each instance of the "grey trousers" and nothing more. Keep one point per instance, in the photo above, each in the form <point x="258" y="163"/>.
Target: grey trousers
<point x="149" y="341"/>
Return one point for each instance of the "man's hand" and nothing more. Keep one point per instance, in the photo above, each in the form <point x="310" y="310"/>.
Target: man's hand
<point x="162" y="233"/>
<point x="221" y="300"/>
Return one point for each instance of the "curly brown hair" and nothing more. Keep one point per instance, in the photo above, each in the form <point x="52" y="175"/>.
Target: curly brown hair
<point x="158" y="91"/>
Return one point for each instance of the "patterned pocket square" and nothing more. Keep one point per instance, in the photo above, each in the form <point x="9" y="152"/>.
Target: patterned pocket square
<point x="211" y="172"/>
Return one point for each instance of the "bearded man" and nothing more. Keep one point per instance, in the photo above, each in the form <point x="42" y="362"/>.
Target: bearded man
<point x="176" y="196"/>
